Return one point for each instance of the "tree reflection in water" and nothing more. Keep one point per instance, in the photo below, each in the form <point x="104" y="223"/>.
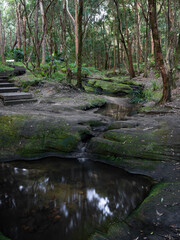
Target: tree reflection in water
<point x="64" y="199"/>
<point x="116" y="111"/>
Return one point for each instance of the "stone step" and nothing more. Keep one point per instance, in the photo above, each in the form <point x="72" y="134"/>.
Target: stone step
<point x="4" y="77"/>
<point x="3" y="80"/>
<point x="15" y="96"/>
<point x="8" y="89"/>
<point x="6" y="84"/>
<point x="20" y="101"/>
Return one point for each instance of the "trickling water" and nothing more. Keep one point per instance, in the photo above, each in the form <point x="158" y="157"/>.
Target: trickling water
<point x="65" y="199"/>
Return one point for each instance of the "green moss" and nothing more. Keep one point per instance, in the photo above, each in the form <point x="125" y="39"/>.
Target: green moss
<point x="2" y="237"/>
<point x="110" y="87"/>
<point x="4" y="68"/>
<point x="28" y="136"/>
<point x="94" y="103"/>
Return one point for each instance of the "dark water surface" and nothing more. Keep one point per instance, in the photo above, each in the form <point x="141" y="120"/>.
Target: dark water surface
<point x="62" y="199"/>
<point x="117" y="111"/>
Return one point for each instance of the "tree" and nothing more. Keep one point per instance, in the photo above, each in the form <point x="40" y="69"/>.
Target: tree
<point x="80" y="43"/>
<point x="1" y="41"/>
<point x="127" y="47"/>
<point x="158" y="51"/>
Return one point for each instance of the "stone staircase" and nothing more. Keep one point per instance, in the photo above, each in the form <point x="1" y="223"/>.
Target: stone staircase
<point x="12" y="95"/>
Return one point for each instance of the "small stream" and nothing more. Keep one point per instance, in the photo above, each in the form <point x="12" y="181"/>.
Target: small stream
<point x="65" y="199"/>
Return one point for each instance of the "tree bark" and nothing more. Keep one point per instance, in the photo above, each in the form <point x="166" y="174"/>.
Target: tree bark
<point x="158" y="51"/>
<point x="44" y="40"/>
<point x="24" y="38"/>
<point x="18" y="25"/>
<point x="80" y="42"/>
<point x="76" y="27"/>
<point x="114" y="39"/>
<point x="1" y="41"/>
<point x="37" y="45"/>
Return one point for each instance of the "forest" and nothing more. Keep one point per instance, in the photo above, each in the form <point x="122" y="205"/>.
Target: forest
<point x="81" y="36"/>
<point x="89" y="119"/>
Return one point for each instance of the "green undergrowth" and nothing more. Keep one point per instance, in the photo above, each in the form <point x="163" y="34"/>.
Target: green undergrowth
<point x="2" y="237"/>
<point x="4" y="68"/>
<point x="152" y="93"/>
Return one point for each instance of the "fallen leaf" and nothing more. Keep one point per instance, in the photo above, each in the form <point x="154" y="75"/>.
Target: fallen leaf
<point x="158" y="213"/>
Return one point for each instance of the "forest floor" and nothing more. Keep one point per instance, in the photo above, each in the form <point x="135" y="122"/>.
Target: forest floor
<point x="161" y="218"/>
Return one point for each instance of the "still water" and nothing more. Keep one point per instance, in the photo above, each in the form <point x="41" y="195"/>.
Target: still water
<point x="116" y="111"/>
<point x="63" y="199"/>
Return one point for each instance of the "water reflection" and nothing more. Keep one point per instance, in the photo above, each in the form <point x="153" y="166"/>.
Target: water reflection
<point x="65" y="199"/>
<point x="116" y="111"/>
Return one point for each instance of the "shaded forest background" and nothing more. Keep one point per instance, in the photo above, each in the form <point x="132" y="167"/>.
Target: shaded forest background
<point x="80" y="36"/>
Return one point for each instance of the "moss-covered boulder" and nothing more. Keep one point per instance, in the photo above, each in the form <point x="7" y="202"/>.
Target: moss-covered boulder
<point x="113" y="87"/>
<point x="160" y="143"/>
<point x="31" y="136"/>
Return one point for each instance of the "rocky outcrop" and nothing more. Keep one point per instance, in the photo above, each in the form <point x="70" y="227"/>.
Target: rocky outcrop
<point x="155" y="142"/>
<point x="32" y="136"/>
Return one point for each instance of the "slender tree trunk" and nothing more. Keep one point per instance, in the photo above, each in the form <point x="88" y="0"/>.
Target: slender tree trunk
<point x="146" y="53"/>
<point x="76" y="30"/>
<point x="80" y="43"/>
<point x="118" y="53"/>
<point x="158" y="52"/>
<point x="137" y="36"/>
<point x="24" y="38"/>
<point x="177" y="56"/>
<point x="37" y="35"/>
<point x="114" y="39"/>
<point x="18" y="25"/>
<point x="44" y="37"/>
<point x="131" y="68"/>
<point x="1" y="41"/>
<point x="68" y="71"/>
<point x="128" y="47"/>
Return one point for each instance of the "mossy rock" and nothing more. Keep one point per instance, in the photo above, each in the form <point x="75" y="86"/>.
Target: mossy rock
<point x="30" y="136"/>
<point x="94" y="102"/>
<point x="136" y="143"/>
<point x="123" y="124"/>
<point x="110" y="87"/>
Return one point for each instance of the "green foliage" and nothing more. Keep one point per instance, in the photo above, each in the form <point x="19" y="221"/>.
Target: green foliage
<point x="155" y="86"/>
<point x="138" y="96"/>
<point x="16" y="54"/>
<point x="2" y="237"/>
<point x="4" y="68"/>
<point x="178" y="67"/>
<point x="59" y="76"/>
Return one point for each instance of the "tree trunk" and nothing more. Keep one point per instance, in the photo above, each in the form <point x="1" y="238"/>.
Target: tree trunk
<point x="114" y="38"/>
<point x="24" y="38"/>
<point x="128" y="47"/>
<point x="18" y="25"/>
<point x="158" y="52"/>
<point x="80" y="42"/>
<point x="118" y="52"/>
<point x="146" y="53"/>
<point x="44" y="40"/>
<point x="76" y="29"/>
<point x="137" y="36"/>
<point x="68" y="71"/>
<point x="1" y="42"/>
<point x="37" y="35"/>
